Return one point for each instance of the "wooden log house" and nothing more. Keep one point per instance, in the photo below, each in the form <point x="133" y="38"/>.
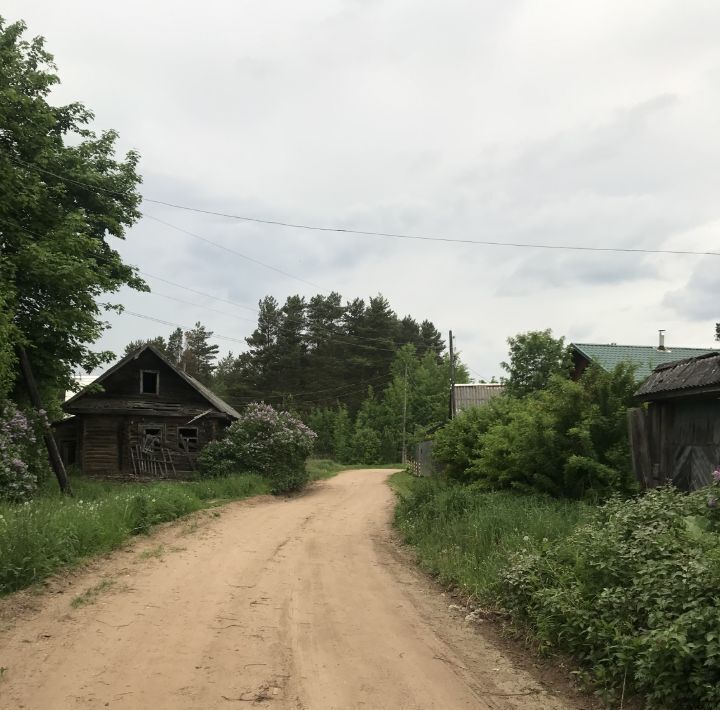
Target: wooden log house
<point x="675" y="436"/>
<point x="144" y="417"/>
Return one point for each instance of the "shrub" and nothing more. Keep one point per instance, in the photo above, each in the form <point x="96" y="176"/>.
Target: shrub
<point x="632" y="596"/>
<point x="263" y="441"/>
<point x="568" y="440"/>
<point x="459" y="442"/>
<point x="21" y="454"/>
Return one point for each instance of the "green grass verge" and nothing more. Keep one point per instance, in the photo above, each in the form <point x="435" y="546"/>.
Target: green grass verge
<point x="51" y="532"/>
<point x="466" y="537"/>
<point x="321" y="469"/>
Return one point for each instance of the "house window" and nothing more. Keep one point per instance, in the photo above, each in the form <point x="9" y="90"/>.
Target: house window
<point x="152" y="438"/>
<point x="149" y="382"/>
<point x="188" y="438"/>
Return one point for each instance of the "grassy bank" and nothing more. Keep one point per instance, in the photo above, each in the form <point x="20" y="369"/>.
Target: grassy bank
<point x="51" y="532"/>
<point x="466" y="537"/>
<point x="628" y="589"/>
<point x="322" y="469"/>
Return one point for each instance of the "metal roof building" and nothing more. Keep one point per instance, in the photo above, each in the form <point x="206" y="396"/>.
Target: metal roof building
<point x="645" y="357"/>
<point x="475" y="395"/>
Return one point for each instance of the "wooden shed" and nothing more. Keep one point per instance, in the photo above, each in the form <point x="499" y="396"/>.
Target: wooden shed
<point x="143" y="417"/>
<point x="676" y="437"/>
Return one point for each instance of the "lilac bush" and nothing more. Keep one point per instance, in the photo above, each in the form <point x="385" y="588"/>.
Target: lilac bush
<point x="19" y="454"/>
<point x="265" y="441"/>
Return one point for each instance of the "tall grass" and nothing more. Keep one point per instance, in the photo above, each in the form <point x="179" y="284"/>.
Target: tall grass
<point x="466" y="536"/>
<point x="51" y="532"/>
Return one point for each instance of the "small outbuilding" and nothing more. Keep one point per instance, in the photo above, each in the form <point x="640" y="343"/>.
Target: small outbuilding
<point x="675" y="438"/>
<point x="475" y="395"/>
<point x="143" y="417"/>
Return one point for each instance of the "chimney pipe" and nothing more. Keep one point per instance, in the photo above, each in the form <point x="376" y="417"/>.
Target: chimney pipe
<point x="661" y="345"/>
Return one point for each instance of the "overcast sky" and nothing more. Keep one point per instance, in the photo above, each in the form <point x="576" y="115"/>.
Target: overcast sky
<point x="554" y="122"/>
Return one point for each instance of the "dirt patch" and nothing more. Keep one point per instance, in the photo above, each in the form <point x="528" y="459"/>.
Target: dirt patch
<point x="283" y="603"/>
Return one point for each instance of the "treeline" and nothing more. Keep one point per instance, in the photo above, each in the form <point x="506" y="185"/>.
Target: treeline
<point x="365" y="379"/>
<point x="321" y="352"/>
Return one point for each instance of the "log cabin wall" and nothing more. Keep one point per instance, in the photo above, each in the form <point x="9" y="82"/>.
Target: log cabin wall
<point x="101" y="443"/>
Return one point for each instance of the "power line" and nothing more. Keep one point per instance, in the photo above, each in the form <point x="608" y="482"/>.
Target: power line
<point x="198" y="305"/>
<point x="199" y="293"/>
<point x="233" y="251"/>
<point x="177" y="325"/>
<point x="369" y="233"/>
<point x="339" y="339"/>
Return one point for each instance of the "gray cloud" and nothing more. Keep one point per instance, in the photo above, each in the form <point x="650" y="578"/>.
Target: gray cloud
<point x="566" y="124"/>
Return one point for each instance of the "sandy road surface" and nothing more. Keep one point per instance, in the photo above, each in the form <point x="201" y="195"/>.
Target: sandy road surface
<point x="293" y="604"/>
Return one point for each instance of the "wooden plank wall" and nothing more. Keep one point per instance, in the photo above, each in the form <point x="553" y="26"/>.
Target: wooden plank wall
<point x="101" y="445"/>
<point x="675" y="441"/>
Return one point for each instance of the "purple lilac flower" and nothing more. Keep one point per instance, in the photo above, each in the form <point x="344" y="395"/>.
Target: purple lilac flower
<point x="716" y="475"/>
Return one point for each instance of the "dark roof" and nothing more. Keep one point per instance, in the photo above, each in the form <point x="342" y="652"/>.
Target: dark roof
<point x="645" y="357"/>
<point x="212" y="399"/>
<point x="693" y="375"/>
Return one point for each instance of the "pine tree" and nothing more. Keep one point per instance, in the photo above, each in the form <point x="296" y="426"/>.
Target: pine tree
<point x="199" y="355"/>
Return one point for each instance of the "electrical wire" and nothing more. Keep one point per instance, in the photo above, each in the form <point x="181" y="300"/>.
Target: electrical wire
<point x="369" y="233"/>
<point x="233" y="251"/>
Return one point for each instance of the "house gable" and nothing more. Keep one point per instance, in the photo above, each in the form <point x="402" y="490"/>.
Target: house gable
<point x="145" y="381"/>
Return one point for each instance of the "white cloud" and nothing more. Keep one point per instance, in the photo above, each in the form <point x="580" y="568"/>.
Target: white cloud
<point x="556" y="122"/>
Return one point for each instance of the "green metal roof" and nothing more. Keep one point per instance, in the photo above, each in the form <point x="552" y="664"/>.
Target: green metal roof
<point x="646" y="357"/>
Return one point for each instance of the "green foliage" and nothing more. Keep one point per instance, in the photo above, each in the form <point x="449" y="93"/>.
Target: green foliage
<point x="320" y="353"/>
<point x="459" y="442"/>
<point x="23" y="463"/>
<point x="264" y="441"/>
<point x="55" y="232"/>
<point x="632" y="596"/>
<point x="190" y="350"/>
<point x="465" y="535"/>
<point x="567" y="440"/>
<point x="159" y="342"/>
<point x="334" y="433"/>
<point x="535" y="357"/>
<point x="54" y="531"/>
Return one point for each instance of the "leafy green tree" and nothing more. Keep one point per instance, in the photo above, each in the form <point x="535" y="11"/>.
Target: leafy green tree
<point x="535" y="357"/>
<point x="64" y="195"/>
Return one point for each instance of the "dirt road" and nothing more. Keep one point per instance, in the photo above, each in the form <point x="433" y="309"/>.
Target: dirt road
<point x="284" y="604"/>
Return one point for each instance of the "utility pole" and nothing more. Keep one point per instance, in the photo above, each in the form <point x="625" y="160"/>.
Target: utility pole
<point x="53" y="453"/>
<point x="404" y="450"/>
<point x="452" y="377"/>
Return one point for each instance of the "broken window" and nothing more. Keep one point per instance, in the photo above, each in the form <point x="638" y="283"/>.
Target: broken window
<point x="149" y="382"/>
<point x="188" y="438"/>
<point x="152" y="438"/>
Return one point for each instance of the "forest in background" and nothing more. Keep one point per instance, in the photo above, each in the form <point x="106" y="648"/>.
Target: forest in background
<point x="355" y="371"/>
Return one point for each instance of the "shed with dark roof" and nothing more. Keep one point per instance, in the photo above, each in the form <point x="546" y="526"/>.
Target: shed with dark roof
<point x="675" y="437"/>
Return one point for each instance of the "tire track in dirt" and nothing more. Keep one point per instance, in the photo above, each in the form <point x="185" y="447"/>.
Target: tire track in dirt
<point x="299" y="604"/>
